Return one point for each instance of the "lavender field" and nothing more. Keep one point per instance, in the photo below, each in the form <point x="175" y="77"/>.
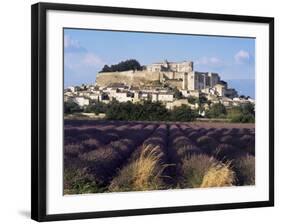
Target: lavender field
<point x="115" y="156"/>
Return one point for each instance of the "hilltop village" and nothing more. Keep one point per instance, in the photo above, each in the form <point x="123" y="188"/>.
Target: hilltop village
<point x="172" y="83"/>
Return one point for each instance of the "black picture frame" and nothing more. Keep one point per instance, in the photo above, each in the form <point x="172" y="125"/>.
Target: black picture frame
<point x="38" y="109"/>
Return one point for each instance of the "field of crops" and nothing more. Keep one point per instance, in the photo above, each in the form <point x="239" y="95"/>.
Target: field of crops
<point x="111" y="156"/>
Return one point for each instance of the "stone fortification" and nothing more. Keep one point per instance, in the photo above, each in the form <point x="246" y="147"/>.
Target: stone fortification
<point x="180" y="75"/>
<point x="136" y="78"/>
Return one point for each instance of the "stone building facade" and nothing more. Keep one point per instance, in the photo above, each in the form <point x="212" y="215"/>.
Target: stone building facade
<point x="185" y="66"/>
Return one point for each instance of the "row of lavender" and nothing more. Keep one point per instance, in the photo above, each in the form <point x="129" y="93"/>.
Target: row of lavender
<point x="202" y="149"/>
<point x="94" y="154"/>
<point x="120" y="156"/>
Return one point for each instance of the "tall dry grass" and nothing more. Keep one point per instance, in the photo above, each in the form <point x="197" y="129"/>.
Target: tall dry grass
<point x="219" y="175"/>
<point x="145" y="173"/>
<point x="192" y="170"/>
<point x="205" y="171"/>
<point x="245" y="169"/>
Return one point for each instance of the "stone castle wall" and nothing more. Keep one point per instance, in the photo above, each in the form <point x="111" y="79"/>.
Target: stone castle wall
<point x="175" y="83"/>
<point x="182" y="80"/>
<point x="127" y="77"/>
<point x="138" y="77"/>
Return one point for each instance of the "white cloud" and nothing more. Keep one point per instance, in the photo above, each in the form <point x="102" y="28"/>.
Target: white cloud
<point x="242" y="56"/>
<point x="72" y="45"/>
<point x="77" y="57"/>
<point x="209" y="61"/>
<point x="82" y="60"/>
<point x="69" y="42"/>
<point x="91" y="59"/>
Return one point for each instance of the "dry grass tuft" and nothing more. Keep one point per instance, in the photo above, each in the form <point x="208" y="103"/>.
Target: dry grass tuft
<point x="141" y="174"/>
<point x="245" y="170"/>
<point x="219" y="175"/>
<point x="193" y="169"/>
<point x="205" y="171"/>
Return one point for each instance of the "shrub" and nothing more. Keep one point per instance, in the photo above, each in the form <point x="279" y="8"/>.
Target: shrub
<point x="91" y="144"/>
<point x="83" y="136"/>
<point x="77" y="181"/>
<point x="96" y="107"/>
<point x="245" y="131"/>
<point x="193" y="169"/>
<point x="192" y="99"/>
<point x="194" y="135"/>
<point x="180" y="141"/>
<point x="228" y="139"/>
<point x="70" y="140"/>
<point x="154" y="140"/>
<point x="110" y="137"/>
<point x="227" y="151"/>
<point x="247" y="143"/>
<point x="207" y="143"/>
<point x="217" y="110"/>
<point x="187" y="150"/>
<point x="213" y="134"/>
<point x="219" y="175"/>
<point x="247" y="118"/>
<point x="183" y="113"/>
<point x="102" y="163"/>
<point x="150" y="111"/>
<point x="245" y="170"/>
<point x="71" y="107"/>
<point x="202" y="131"/>
<point x="180" y="145"/>
<point x="123" y="146"/>
<point x="73" y="149"/>
<point x="242" y="114"/>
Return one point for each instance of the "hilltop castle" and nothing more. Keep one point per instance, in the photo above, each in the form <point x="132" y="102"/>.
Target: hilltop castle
<point x="173" y="74"/>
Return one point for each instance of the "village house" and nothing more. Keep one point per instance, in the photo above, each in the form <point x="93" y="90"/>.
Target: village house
<point x="81" y="101"/>
<point x="178" y="103"/>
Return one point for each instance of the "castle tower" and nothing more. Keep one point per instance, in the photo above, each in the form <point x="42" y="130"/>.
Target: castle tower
<point x="184" y="81"/>
<point x="191" y="66"/>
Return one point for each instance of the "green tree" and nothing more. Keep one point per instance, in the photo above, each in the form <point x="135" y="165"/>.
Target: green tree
<point x="192" y="99"/>
<point x="106" y="68"/>
<point x="151" y="111"/>
<point x="203" y="100"/>
<point x="71" y="107"/>
<point x="217" y="110"/>
<point x="96" y="107"/>
<point x="242" y="114"/>
<point x="177" y="93"/>
<point x="183" y="113"/>
<point x="248" y="108"/>
<point x="130" y="64"/>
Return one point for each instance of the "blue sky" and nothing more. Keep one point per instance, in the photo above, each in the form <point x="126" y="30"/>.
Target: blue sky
<point x="87" y="51"/>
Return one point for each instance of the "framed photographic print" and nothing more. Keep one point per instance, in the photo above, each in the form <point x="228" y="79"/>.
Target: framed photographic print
<point x="139" y="111"/>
